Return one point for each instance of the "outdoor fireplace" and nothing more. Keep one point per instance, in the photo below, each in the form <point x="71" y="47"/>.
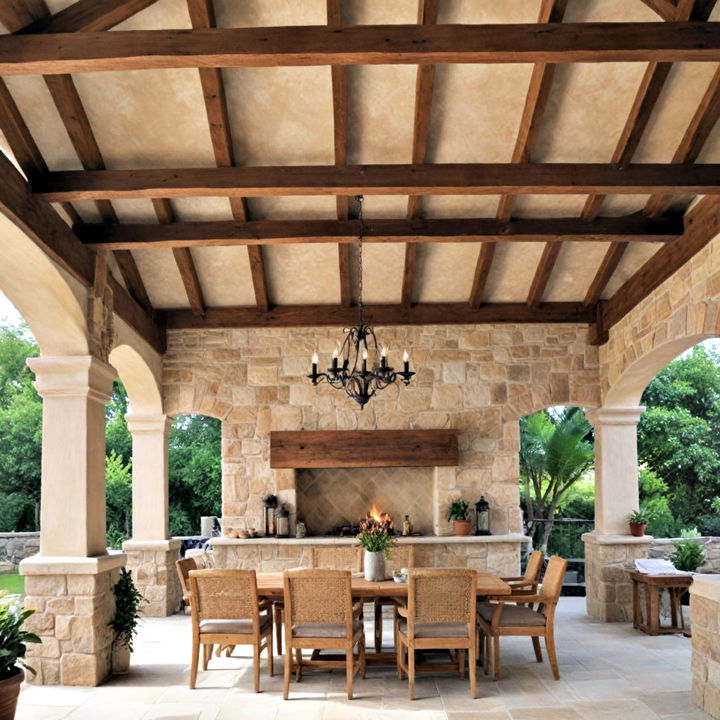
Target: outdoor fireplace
<point x="376" y="516"/>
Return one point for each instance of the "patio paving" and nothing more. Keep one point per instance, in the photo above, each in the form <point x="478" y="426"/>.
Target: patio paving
<point x="608" y="671"/>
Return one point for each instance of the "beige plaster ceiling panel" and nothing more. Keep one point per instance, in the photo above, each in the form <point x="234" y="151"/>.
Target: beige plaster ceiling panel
<point x="445" y="272"/>
<point x="381" y="106"/>
<point x="148" y="118"/>
<point x="385" y="206"/>
<point x="135" y="211"/>
<point x="379" y="12"/>
<point x="302" y="274"/>
<point x="513" y="269"/>
<point x="293" y="207"/>
<point x="681" y="96"/>
<point x="224" y="274"/>
<point x="38" y="110"/>
<point x="610" y="11"/>
<point x="588" y="106"/>
<point x="161" y="276"/>
<point x="549" y="205"/>
<point x="472" y="11"/>
<point x="268" y="13"/>
<point x="636" y="255"/>
<point x="576" y="265"/>
<point x="383" y="268"/>
<point x="201" y="208"/>
<point x="115" y="270"/>
<point x="159" y="16"/>
<point x="617" y="205"/>
<point x="281" y="115"/>
<point x="461" y="206"/>
<point x="87" y="210"/>
<point x="476" y="112"/>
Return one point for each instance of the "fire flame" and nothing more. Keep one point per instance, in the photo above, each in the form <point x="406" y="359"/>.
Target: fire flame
<point x="375" y="514"/>
<point x="376" y="518"/>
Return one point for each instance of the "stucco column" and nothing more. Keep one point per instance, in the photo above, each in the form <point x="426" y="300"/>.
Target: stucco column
<point x="151" y="554"/>
<point x="72" y="503"/>
<point x="610" y="551"/>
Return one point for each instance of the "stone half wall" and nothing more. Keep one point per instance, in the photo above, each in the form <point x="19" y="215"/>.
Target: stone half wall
<point x="478" y="379"/>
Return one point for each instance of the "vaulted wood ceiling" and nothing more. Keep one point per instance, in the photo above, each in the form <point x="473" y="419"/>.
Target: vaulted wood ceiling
<point x="524" y="160"/>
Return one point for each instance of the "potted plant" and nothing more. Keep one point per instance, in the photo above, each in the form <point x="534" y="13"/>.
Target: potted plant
<point x="459" y="512"/>
<point x="377" y="543"/>
<point x="638" y="521"/>
<point x="689" y="555"/>
<point x="125" y="621"/>
<point x="13" y="646"/>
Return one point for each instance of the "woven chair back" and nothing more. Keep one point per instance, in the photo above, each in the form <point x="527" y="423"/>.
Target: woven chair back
<point x="401" y="556"/>
<point x="553" y="581"/>
<point x="224" y="595"/>
<point x="183" y="568"/>
<point x="441" y="596"/>
<point x="343" y="557"/>
<point x="534" y="566"/>
<point x="318" y="596"/>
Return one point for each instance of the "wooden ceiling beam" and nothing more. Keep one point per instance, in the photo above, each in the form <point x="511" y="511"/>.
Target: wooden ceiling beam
<point x="542" y="274"/>
<point x="636" y="228"/>
<point x="53" y="236"/>
<point x="17" y="14"/>
<point x="419" y="314"/>
<point x="88" y="16"/>
<point x="666" y="9"/>
<point x="482" y="272"/>
<point x="359" y="45"/>
<point x="202" y="16"/>
<point x="438" y="179"/>
<point x="427" y="15"/>
<point x="702" y="224"/>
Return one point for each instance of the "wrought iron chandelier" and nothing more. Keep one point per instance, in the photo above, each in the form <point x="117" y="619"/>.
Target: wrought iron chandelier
<point x="359" y="365"/>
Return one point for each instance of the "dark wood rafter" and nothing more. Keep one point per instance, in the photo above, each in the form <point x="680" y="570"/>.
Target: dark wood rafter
<point x="636" y="228"/>
<point x="359" y="45"/>
<point x="396" y="179"/>
<point x="542" y="274"/>
<point x="53" y="236"/>
<point x="340" y="139"/>
<point x="183" y="260"/>
<point x="666" y="9"/>
<point x="427" y="15"/>
<point x="697" y="133"/>
<point x="88" y="16"/>
<point x="17" y="14"/>
<point x="482" y="272"/>
<point x="702" y="224"/>
<point x="418" y="314"/>
<point x="202" y="16"/>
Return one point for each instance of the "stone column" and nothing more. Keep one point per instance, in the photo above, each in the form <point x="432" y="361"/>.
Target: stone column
<point x="69" y="583"/>
<point x="705" y="618"/>
<point x="151" y="555"/>
<point x="610" y="551"/>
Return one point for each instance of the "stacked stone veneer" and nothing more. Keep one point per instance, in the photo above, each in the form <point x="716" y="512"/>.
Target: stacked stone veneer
<point x="16" y="546"/>
<point x="705" y="616"/>
<point x="73" y="605"/>
<point x="152" y="565"/>
<point x="478" y="379"/>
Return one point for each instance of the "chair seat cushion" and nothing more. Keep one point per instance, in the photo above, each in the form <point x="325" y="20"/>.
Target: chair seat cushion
<point x="237" y="627"/>
<point x="512" y="615"/>
<point x="436" y="630"/>
<point x="322" y="630"/>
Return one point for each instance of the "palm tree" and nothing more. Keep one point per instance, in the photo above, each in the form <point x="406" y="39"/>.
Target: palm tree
<point x="556" y="450"/>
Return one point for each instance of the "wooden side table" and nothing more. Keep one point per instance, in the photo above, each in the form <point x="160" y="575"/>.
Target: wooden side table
<point x="677" y="586"/>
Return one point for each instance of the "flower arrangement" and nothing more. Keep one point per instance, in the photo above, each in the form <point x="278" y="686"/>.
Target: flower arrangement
<point x="373" y="537"/>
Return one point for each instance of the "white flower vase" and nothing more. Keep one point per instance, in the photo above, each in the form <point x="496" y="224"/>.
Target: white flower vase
<point x="374" y="563"/>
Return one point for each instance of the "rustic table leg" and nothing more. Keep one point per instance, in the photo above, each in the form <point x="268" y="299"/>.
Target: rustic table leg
<point x="674" y="603"/>
<point x="637" y="613"/>
<point x="654" y="610"/>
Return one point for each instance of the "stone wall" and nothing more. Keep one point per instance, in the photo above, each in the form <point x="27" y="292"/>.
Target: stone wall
<point x="662" y="547"/>
<point x="705" y="616"/>
<point x="478" y="379"/>
<point x="16" y="546"/>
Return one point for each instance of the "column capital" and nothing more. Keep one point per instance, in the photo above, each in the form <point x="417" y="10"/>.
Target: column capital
<point x="148" y="424"/>
<point x="73" y="376"/>
<point x="615" y="415"/>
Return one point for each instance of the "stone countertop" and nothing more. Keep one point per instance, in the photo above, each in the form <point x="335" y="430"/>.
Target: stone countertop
<point x="334" y="540"/>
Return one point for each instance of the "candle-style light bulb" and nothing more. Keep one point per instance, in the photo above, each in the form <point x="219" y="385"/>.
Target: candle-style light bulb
<point x="406" y="357"/>
<point x="383" y="357"/>
<point x="335" y="353"/>
<point x="364" y="354"/>
<point x="383" y="351"/>
<point x="335" y="359"/>
<point x="314" y="358"/>
<point x="406" y="361"/>
<point x="364" y="360"/>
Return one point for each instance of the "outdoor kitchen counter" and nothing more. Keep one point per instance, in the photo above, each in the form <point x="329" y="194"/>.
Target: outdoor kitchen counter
<point x="349" y="540"/>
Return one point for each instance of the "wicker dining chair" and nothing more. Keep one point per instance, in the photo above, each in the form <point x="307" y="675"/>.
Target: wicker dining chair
<point x="401" y="556"/>
<point x="527" y="583"/>
<point x="337" y="557"/>
<point x="320" y="615"/>
<point x="499" y="618"/>
<point x="440" y="614"/>
<point x="183" y="568"/>
<point x="226" y="611"/>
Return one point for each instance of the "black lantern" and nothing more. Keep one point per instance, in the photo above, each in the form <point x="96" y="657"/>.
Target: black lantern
<point x="282" y="522"/>
<point x="482" y="517"/>
<point x="269" y="505"/>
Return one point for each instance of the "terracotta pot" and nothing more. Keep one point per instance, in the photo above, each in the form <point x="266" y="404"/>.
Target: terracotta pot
<point x="461" y="527"/>
<point x="120" y="659"/>
<point x="9" y="691"/>
<point x="637" y="529"/>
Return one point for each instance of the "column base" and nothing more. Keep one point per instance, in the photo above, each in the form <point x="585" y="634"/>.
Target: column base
<point x="73" y="602"/>
<point x="608" y="558"/>
<point x="704" y="613"/>
<point x="152" y="563"/>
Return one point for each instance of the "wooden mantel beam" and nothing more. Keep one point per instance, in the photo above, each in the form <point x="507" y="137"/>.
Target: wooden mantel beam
<point x="359" y="45"/>
<point x="341" y="316"/>
<point x="440" y="179"/>
<point x="633" y="228"/>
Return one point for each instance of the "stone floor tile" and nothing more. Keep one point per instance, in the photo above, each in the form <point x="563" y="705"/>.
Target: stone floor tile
<point x="38" y="712"/>
<point x="551" y="713"/>
<point x="184" y="711"/>
<point x="613" y="709"/>
<point x="480" y="715"/>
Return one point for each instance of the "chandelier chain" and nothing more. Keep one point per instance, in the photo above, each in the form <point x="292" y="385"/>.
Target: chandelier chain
<point x="360" y="256"/>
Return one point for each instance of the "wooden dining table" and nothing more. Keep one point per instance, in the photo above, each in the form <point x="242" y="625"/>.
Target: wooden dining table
<point x="270" y="585"/>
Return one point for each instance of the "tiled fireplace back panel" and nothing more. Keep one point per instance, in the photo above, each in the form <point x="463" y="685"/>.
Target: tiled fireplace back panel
<point x="327" y="497"/>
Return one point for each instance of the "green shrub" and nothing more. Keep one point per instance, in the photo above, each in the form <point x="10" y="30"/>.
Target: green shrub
<point x="127" y="609"/>
<point x="13" y="639"/>
<point x="688" y="556"/>
<point x="458" y="510"/>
